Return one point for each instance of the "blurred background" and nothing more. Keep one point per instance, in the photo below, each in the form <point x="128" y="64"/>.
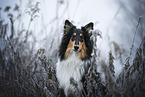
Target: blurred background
<point x="116" y="20"/>
<point x="31" y="31"/>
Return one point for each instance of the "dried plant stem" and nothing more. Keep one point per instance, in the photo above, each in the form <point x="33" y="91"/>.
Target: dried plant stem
<point x="140" y="18"/>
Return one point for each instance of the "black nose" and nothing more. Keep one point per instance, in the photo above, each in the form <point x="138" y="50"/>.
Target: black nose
<point x="76" y="48"/>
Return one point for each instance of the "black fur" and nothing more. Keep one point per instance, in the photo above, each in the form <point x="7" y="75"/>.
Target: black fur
<point x="68" y="33"/>
<point x="65" y="41"/>
<point x="88" y="43"/>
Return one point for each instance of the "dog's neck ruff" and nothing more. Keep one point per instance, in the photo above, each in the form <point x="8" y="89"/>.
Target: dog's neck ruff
<point x="72" y="67"/>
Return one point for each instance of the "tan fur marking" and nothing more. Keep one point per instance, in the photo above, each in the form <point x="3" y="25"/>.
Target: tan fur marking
<point x="81" y="34"/>
<point x="83" y="49"/>
<point x="74" y="34"/>
<point x="69" y="47"/>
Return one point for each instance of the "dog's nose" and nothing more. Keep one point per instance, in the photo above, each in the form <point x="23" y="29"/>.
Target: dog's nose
<point x="76" y="48"/>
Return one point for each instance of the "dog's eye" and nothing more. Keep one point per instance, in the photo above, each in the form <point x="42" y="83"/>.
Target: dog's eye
<point x="81" y="36"/>
<point x="74" y="34"/>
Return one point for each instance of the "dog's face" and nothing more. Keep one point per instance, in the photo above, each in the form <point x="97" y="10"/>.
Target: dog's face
<point x="77" y="39"/>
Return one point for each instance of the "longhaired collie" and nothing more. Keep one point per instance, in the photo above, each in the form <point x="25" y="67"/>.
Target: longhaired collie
<point x="75" y="48"/>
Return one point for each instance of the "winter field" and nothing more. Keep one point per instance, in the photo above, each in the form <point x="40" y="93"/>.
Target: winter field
<point x="31" y="31"/>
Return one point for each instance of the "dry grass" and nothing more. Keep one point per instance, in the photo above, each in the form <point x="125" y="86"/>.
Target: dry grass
<point x="25" y="74"/>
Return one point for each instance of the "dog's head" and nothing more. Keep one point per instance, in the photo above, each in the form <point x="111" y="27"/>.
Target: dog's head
<point x="77" y="40"/>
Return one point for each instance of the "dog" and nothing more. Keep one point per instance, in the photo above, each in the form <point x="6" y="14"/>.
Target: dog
<point x="75" y="48"/>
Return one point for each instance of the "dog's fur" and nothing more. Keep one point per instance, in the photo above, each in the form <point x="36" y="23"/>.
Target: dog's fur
<point x="75" y="48"/>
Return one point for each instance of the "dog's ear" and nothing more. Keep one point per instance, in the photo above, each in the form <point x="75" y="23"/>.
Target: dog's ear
<point x="67" y="26"/>
<point x="88" y="27"/>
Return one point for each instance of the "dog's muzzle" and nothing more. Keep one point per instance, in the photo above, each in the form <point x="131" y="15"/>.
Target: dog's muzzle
<point x="76" y="48"/>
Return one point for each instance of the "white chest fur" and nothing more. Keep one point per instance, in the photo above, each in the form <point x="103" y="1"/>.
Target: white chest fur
<point x="72" y="67"/>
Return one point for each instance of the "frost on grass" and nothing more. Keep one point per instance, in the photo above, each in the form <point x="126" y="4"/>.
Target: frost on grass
<point x="24" y="76"/>
<point x="131" y="81"/>
<point x="27" y="74"/>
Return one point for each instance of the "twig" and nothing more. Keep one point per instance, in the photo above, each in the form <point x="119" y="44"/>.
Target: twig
<point x="127" y="60"/>
<point x="134" y="36"/>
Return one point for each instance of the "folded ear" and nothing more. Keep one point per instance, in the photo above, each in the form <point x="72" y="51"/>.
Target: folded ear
<point x="67" y="26"/>
<point x="88" y="27"/>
